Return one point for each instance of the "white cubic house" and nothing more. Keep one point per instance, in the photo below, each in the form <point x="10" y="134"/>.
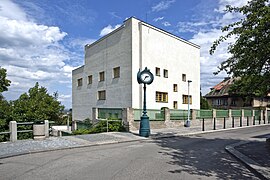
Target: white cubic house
<point x="108" y="78"/>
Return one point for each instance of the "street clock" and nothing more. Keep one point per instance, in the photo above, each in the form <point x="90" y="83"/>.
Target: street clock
<point x="145" y="76"/>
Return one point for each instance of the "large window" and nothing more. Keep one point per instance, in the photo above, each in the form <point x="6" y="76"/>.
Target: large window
<point x="165" y="72"/>
<point x="157" y="71"/>
<point x="102" y="95"/>
<point x="102" y="76"/>
<point x="90" y="79"/>
<point x="116" y="72"/>
<point x="162" y="97"/>
<point x="79" y="82"/>
<point x="185" y="99"/>
<point x="184" y="77"/>
<point x="175" y="88"/>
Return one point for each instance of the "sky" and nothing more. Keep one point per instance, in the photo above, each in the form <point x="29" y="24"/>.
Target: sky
<point x="43" y="40"/>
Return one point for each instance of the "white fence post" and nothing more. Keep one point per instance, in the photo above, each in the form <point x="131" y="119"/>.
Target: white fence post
<point x="46" y="129"/>
<point x="13" y="131"/>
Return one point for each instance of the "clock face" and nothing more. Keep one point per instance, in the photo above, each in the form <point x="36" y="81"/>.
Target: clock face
<point x="146" y="77"/>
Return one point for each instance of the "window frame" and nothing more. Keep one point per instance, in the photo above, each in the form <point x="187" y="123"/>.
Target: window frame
<point x="184" y="77"/>
<point x="101" y="76"/>
<point x="79" y="82"/>
<point x="162" y="97"/>
<point x="165" y="73"/>
<point x="116" y="72"/>
<point x="175" y="88"/>
<point x="100" y="95"/>
<point x="185" y="99"/>
<point x="90" y="79"/>
<point x="175" y="105"/>
<point x="157" y="71"/>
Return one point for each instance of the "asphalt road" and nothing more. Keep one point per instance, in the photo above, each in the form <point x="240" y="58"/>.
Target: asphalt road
<point x="193" y="157"/>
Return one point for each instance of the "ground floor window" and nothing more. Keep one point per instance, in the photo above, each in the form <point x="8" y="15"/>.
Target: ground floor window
<point x="161" y="97"/>
<point x="185" y="99"/>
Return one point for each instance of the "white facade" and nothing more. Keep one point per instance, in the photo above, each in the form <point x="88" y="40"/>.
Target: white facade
<point x="133" y="46"/>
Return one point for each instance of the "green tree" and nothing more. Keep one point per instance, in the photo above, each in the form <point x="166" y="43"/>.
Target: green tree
<point x="37" y="105"/>
<point x="5" y="117"/>
<point x="4" y="82"/>
<point x="4" y="105"/>
<point x="250" y="54"/>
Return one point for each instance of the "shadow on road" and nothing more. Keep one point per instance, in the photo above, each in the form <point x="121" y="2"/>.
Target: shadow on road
<point x="203" y="157"/>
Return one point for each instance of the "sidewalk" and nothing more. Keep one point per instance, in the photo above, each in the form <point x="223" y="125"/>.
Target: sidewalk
<point x="253" y="154"/>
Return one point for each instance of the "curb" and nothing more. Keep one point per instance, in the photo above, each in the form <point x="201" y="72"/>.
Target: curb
<point x="260" y="171"/>
<point x="70" y="147"/>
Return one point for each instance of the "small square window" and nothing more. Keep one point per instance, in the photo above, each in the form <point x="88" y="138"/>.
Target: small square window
<point x="102" y="76"/>
<point x="165" y="72"/>
<point x="116" y="72"/>
<point x="90" y="79"/>
<point x="175" y="106"/>
<point x="102" y="95"/>
<point x="157" y="71"/>
<point x="184" y="77"/>
<point x="175" y="88"/>
<point x="80" y="82"/>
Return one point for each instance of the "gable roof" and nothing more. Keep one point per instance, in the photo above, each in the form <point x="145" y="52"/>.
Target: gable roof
<point x="222" y="88"/>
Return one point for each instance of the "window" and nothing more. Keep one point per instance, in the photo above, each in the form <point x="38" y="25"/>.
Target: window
<point x="165" y="72"/>
<point x="162" y="97"/>
<point x="90" y="79"/>
<point x="116" y="72"/>
<point x="102" y="95"/>
<point x="184" y="77"/>
<point x="175" y="105"/>
<point x="102" y="76"/>
<point x="157" y="71"/>
<point x="79" y="81"/>
<point x="185" y="99"/>
<point x="175" y="88"/>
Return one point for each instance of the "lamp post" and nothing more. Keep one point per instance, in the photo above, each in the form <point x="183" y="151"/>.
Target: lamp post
<point x="144" y="77"/>
<point x="68" y="114"/>
<point x="187" y="124"/>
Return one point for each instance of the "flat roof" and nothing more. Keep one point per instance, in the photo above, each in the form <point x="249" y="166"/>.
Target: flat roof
<point x="147" y="24"/>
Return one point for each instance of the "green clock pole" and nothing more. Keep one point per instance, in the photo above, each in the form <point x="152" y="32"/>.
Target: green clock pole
<point x="144" y="123"/>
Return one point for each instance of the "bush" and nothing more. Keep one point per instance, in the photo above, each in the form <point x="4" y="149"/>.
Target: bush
<point x="102" y="127"/>
<point x="81" y="131"/>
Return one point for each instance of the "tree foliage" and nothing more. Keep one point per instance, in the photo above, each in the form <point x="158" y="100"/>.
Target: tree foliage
<point x="37" y="105"/>
<point x="4" y="82"/>
<point x="250" y="54"/>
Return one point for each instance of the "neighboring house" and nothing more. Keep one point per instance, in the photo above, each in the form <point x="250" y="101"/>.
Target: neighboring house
<point x="108" y="78"/>
<point x="220" y="98"/>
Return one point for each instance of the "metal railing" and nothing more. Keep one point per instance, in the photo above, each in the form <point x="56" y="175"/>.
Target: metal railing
<point x="26" y="124"/>
<point x="153" y="114"/>
<point x="107" y="122"/>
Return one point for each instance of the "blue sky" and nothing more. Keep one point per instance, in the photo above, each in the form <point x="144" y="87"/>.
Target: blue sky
<point x="43" y="40"/>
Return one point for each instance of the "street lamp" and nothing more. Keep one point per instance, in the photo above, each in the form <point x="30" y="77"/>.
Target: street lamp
<point x="187" y="124"/>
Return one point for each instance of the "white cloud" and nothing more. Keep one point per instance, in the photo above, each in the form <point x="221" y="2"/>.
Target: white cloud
<point x="166" y="23"/>
<point x="16" y="13"/>
<point x="163" y="5"/>
<point x="108" y="29"/>
<point x="205" y="33"/>
<point x="158" y="19"/>
<point x="113" y="14"/>
<point x="32" y="52"/>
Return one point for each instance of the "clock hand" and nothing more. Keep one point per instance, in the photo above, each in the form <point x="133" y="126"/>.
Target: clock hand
<point x="146" y="77"/>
